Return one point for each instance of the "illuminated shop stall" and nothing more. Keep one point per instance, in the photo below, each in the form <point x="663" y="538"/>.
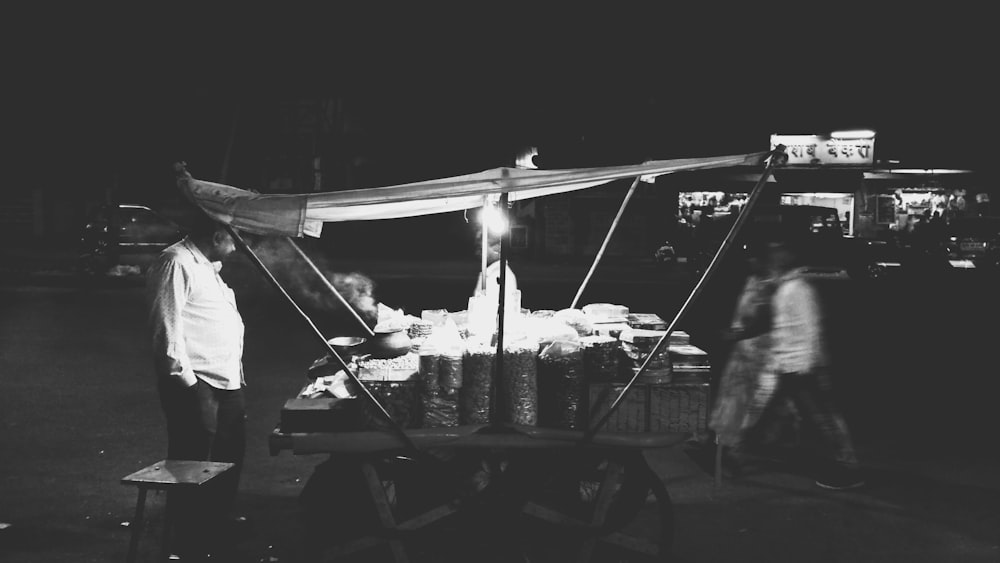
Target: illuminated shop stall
<point x="900" y="199"/>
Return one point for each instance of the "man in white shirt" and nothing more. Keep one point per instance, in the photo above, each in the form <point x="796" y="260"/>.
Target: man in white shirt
<point x="799" y="358"/>
<point x="197" y="336"/>
<point x="493" y="270"/>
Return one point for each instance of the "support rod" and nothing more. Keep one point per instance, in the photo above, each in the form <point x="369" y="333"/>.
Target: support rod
<point x="333" y="353"/>
<point x="607" y="238"/>
<point x="484" y="230"/>
<point x="330" y="286"/>
<point x="498" y="363"/>
<point x="778" y="154"/>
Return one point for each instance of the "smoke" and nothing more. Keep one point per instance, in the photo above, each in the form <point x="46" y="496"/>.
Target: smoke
<point x="308" y="289"/>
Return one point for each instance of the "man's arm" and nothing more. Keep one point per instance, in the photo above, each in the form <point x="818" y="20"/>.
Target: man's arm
<point x="170" y="288"/>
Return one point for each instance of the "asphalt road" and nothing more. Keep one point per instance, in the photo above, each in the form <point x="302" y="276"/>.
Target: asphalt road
<point x="915" y="369"/>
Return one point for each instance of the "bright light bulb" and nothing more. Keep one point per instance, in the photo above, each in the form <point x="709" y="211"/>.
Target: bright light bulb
<point x="494" y="220"/>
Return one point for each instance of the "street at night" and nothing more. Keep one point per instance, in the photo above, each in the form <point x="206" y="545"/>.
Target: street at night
<point x="671" y="201"/>
<point x="913" y="370"/>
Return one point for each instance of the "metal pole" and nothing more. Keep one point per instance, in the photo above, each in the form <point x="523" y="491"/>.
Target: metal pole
<point x="604" y="245"/>
<point x="333" y="353"/>
<point x="484" y="245"/>
<point x="330" y="286"/>
<point x="498" y="364"/>
<point x="776" y="154"/>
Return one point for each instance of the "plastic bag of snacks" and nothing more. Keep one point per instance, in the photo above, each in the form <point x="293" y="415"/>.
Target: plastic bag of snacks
<point x="575" y="318"/>
<point x="451" y="348"/>
<point x="477" y="376"/>
<point x="518" y="385"/>
<point x="561" y="385"/>
<point x="601" y="356"/>
<point x="548" y="330"/>
<point x="439" y="405"/>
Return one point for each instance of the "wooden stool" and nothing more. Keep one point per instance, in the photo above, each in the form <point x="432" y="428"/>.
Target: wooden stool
<point x="164" y="475"/>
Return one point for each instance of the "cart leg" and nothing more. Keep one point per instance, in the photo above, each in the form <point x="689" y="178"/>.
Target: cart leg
<point x="604" y="497"/>
<point x="384" y="510"/>
<point x="133" y="544"/>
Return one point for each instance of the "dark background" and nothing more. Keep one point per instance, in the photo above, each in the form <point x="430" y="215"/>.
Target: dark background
<point x="101" y="94"/>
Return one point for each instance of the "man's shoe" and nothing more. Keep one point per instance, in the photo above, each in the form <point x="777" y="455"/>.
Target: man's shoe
<point x="841" y="482"/>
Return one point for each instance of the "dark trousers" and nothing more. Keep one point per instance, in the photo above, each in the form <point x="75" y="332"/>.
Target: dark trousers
<point x="204" y="424"/>
<point x="812" y="396"/>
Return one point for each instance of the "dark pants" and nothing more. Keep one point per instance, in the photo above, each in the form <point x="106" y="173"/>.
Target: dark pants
<point x="812" y="396"/>
<point x="204" y="424"/>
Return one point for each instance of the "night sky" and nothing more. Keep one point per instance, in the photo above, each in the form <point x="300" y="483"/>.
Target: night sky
<point x="104" y="93"/>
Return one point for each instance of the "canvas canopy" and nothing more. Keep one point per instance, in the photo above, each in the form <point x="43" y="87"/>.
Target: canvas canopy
<point x="299" y="215"/>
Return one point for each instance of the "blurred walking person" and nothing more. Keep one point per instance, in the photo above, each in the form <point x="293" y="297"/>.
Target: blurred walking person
<point x="798" y="365"/>
<point x="739" y="402"/>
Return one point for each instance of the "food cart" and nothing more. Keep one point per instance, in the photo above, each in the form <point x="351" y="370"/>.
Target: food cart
<point x="502" y="470"/>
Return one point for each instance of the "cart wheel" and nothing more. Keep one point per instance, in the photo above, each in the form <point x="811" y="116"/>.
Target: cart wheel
<point x="600" y="505"/>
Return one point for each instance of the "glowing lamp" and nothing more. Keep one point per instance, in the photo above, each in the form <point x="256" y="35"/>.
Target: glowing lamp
<point x="493" y="219"/>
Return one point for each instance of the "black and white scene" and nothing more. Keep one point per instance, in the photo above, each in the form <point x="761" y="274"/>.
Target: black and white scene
<point x="438" y="284"/>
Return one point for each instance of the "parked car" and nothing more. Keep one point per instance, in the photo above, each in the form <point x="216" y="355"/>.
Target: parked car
<point x="124" y="237"/>
<point x="975" y="242"/>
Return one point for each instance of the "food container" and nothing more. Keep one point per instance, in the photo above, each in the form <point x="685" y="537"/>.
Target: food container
<point x="600" y="357"/>
<point x="398" y="390"/>
<point x="420" y="329"/>
<point x="347" y="346"/>
<point x="518" y="386"/>
<point x="606" y="312"/>
<point x="639" y="343"/>
<point x="477" y="375"/>
<point x="561" y="386"/>
<point x="386" y="344"/>
<point x="438" y="404"/>
<point x="646" y="321"/>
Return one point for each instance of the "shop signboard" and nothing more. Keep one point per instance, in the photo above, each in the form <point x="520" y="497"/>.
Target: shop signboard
<point x="826" y="151"/>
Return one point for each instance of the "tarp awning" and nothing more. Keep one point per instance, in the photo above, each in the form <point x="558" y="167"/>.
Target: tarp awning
<point x="303" y="214"/>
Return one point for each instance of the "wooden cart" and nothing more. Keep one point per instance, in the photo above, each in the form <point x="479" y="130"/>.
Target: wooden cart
<point x="495" y="479"/>
<point x="529" y="493"/>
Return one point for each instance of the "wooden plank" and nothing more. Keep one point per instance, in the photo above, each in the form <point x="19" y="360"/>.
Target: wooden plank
<point x="170" y="472"/>
<point x="550" y="515"/>
<point x="429" y="517"/>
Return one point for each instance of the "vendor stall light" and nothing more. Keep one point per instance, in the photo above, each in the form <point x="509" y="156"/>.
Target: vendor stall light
<point x="853" y="134"/>
<point x="494" y="220"/>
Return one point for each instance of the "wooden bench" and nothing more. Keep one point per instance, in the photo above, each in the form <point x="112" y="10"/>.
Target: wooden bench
<point x="163" y="475"/>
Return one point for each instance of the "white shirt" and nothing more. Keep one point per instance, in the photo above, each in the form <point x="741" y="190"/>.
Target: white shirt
<point x="797" y="335"/>
<point x="493" y="282"/>
<point x="197" y="329"/>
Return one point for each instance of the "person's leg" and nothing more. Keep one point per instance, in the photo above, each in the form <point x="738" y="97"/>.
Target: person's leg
<point x="813" y="398"/>
<point x="229" y="445"/>
<point x="765" y="412"/>
<point x="187" y="439"/>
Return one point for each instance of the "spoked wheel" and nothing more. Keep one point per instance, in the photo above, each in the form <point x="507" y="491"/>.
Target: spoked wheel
<point x="596" y="506"/>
